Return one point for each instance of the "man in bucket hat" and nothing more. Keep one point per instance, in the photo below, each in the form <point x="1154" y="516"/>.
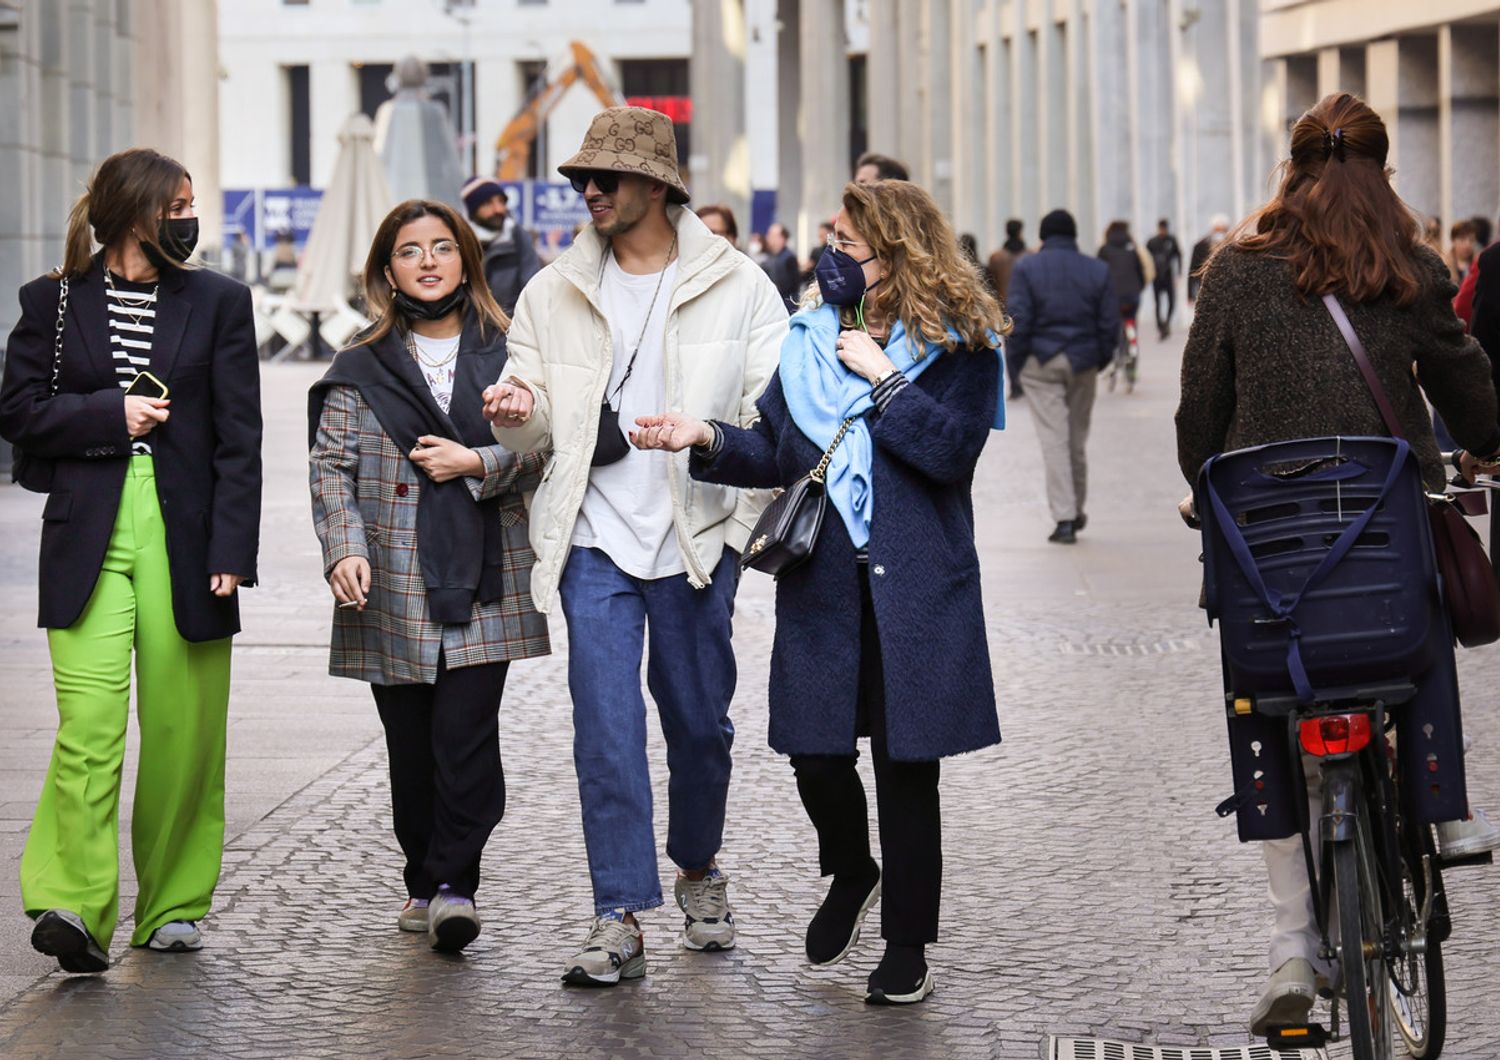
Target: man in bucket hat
<point x="647" y="310"/>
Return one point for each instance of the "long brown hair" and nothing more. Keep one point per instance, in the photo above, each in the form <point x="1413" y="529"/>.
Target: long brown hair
<point x="379" y="297"/>
<point x="130" y="193"/>
<point x="932" y="285"/>
<point x="1336" y="219"/>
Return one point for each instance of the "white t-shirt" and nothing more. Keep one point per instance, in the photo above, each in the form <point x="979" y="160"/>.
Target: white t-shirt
<point x="627" y="507"/>
<point x="436" y="360"/>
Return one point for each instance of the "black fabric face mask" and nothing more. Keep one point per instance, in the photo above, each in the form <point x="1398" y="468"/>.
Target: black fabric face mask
<point x="416" y="309"/>
<point x="178" y="237"/>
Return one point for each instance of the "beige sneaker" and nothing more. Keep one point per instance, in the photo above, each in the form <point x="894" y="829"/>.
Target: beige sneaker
<point x="1288" y="999"/>
<point x="1465" y="839"/>
<point x="413" y="915"/>
<point x="613" y="951"/>
<point x="709" y="922"/>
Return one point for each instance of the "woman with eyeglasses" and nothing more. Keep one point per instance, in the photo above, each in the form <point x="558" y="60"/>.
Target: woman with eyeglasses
<point x="423" y="528"/>
<point x="133" y="389"/>
<point x="891" y="368"/>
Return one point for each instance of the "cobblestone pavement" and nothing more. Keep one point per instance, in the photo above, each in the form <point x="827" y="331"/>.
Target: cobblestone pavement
<point x="1089" y="888"/>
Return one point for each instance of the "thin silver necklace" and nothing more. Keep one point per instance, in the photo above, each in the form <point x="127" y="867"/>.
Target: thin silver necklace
<point x="641" y="338"/>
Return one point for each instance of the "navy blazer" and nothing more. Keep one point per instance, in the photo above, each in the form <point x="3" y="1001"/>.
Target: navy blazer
<point x="207" y="454"/>
<point x="924" y="571"/>
<point x="1061" y="302"/>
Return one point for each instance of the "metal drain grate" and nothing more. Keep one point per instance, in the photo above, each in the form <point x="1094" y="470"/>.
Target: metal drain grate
<point x="1103" y="1049"/>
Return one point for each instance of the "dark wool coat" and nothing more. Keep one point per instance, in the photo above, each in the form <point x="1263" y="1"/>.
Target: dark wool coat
<point x="924" y="572"/>
<point x="1263" y="364"/>
<point x="1485" y="325"/>
<point x="206" y="456"/>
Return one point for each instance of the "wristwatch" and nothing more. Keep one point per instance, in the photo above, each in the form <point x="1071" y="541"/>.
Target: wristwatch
<point x="882" y="377"/>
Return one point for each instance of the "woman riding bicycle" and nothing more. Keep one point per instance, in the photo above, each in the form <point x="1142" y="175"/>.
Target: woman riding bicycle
<point x="1265" y="362"/>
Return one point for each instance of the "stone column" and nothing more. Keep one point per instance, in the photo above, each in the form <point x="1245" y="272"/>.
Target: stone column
<point x="911" y="65"/>
<point x="789" y="126"/>
<point x="883" y="77"/>
<point x="939" y="83"/>
<point x="1110" y="130"/>
<point x="998" y="188"/>
<point x="970" y="201"/>
<point x="1468" y="121"/>
<point x="1382" y="70"/>
<point x="825" y="114"/>
<point x="1023" y="100"/>
<point x="719" y="166"/>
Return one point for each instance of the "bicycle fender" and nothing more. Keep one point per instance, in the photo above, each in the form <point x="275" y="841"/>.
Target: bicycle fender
<point x="1340" y="801"/>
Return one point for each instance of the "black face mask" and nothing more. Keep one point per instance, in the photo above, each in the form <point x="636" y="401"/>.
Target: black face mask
<point x="178" y="237"/>
<point x="416" y="309"/>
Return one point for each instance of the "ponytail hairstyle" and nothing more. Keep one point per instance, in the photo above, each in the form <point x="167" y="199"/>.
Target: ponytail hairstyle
<point x="1335" y="219"/>
<point x="130" y="193"/>
<point x="380" y="301"/>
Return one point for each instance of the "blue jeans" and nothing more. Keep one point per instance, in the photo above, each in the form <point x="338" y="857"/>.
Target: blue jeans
<point x="691" y="675"/>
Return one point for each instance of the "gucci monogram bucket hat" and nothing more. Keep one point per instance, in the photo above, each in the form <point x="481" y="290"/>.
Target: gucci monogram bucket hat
<point x="631" y="140"/>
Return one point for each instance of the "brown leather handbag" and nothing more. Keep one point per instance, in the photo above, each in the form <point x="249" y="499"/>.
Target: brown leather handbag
<point x="1470" y="589"/>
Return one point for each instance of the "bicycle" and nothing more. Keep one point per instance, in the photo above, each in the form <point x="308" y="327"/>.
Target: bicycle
<point x="1320" y="664"/>
<point x="1128" y="358"/>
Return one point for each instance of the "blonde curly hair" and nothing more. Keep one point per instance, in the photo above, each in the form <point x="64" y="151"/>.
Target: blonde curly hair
<point x="930" y="284"/>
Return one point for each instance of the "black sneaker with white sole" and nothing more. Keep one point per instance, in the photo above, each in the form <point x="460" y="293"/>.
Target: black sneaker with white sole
<point x="835" y="927"/>
<point x="901" y="978"/>
<point x="61" y="933"/>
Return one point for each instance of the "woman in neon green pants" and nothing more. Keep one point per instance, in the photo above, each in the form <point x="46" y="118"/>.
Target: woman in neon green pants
<point x="131" y="385"/>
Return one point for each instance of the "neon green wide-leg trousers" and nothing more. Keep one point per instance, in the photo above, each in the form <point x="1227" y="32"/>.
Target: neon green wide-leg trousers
<point x="182" y="698"/>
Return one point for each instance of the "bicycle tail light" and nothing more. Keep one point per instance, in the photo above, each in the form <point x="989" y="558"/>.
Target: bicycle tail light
<point x="1334" y="734"/>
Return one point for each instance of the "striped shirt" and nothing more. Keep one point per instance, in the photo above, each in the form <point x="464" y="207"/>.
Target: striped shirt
<point x="132" y="322"/>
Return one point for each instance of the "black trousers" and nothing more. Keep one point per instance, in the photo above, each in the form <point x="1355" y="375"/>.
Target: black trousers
<point x="1164" y="317"/>
<point x="906" y="798"/>
<point x="447" y="784"/>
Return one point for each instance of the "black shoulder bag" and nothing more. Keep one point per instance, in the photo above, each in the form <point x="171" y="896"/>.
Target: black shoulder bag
<point x="786" y="531"/>
<point x="36" y="473"/>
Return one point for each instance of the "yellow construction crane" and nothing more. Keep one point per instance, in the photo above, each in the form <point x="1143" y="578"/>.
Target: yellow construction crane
<point x="513" y="149"/>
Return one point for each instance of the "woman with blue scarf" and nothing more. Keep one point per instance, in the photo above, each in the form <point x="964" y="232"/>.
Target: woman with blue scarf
<point x="880" y="633"/>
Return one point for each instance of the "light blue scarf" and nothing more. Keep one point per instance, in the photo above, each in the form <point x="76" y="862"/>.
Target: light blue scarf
<point x="821" y="393"/>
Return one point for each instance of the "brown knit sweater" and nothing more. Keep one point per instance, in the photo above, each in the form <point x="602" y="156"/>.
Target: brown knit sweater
<point x="1263" y="364"/>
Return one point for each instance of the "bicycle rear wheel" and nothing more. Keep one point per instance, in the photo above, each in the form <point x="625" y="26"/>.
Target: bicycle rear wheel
<point x="1362" y="948"/>
<point x="1419" y="998"/>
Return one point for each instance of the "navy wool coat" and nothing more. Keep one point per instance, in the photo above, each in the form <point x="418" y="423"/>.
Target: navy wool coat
<point x="924" y="572"/>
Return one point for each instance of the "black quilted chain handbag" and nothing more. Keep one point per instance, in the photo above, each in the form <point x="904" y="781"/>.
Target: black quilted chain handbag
<point x="786" y="531"/>
<point x="35" y="473"/>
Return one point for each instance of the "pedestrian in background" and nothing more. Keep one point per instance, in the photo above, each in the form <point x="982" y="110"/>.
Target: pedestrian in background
<point x="781" y="264"/>
<point x="897" y="346"/>
<point x="1127" y="268"/>
<point x="1218" y="227"/>
<point x="1261" y="333"/>
<point x="1067" y="324"/>
<point x="423" y="529"/>
<point x="1166" y="258"/>
<point x="151" y="526"/>
<point x="1485" y="327"/>
<point x="1461" y="250"/>
<point x="720" y="221"/>
<point x="510" y="258"/>
<point x="1003" y="261"/>
<point x="1482" y="232"/>
<point x="645" y="307"/>
<point x="870" y="167"/>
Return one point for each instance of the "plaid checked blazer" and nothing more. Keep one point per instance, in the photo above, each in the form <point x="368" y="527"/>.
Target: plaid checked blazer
<point x="364" y="501"/>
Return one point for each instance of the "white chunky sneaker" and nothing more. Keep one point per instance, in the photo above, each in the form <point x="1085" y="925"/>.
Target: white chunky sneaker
<point x="709" y="922"/>
<point x="452" y="921"/>
<point x="413" y="915"/>
<point x="180" y="936"/>
<point x="1465" y="839"/>
<point x="1288" y="998"/>
<point x="613" y="951"/>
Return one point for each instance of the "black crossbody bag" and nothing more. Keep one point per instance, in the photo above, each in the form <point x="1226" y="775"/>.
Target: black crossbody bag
<point x="787" y="530"/>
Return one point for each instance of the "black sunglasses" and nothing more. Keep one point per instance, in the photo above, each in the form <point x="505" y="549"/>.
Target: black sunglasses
<point x="606" y="180"/>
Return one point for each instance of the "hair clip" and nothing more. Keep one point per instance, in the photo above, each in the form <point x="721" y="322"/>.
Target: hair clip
<point x="1333" y="144"/>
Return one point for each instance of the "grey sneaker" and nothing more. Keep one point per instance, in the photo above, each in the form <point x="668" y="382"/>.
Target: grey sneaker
<point x="1288" y="998"/>
<point x="1465" y="839"/>
<point x="180" y="936"/>
<point x="709" y="923"/>
<point x="60" y="933"/>
<point x="452" y="921"/>
<point x="413" y="915"/>
<point x="613" y="951"/>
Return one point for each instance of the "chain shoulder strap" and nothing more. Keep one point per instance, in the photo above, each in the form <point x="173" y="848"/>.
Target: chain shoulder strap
<point x="57" y="340"/>
<point x="817" y="474"/>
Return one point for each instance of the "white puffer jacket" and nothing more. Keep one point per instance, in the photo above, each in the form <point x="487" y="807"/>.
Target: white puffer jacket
<point x="725" y="325"/>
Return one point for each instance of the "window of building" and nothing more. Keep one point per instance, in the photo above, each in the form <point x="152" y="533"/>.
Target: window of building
<point x="533" y="74"/>
<point x="661" y="84"/>
<point x="299" y="95"/>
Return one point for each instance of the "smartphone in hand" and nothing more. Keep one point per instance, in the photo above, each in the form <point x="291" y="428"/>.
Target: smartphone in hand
<point x="147" y="385"/>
